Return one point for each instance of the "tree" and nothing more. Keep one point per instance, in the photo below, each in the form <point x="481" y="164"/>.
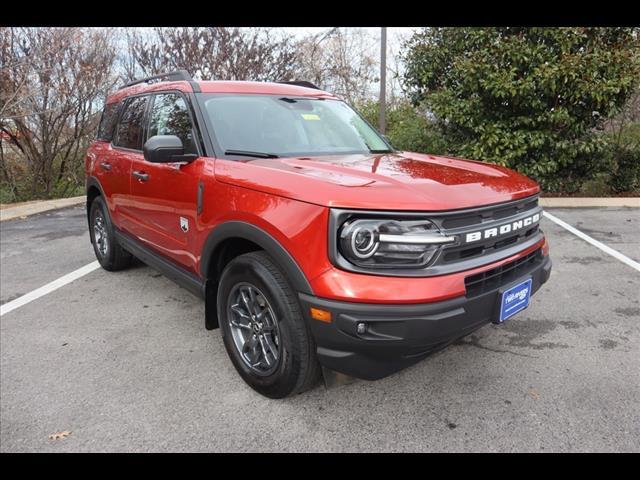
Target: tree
<point x="211" y="53"/>
<point x="337" y="60"/>
<point x="527" y="98"/>
<point x="341" y="62"/>
<point x="52" y="83"/>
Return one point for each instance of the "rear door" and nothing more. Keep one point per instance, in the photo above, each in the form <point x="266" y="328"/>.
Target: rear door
<point x="127" y="148"/>
<point x="112" y="174"/>
<point x="164" y="196"/>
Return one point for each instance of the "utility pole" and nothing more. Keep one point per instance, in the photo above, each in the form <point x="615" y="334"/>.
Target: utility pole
<point x="383" y="80"/>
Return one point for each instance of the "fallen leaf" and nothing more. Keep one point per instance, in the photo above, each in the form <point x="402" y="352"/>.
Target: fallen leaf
<point x="534" y="394"/>
<point x="59" y="435"/>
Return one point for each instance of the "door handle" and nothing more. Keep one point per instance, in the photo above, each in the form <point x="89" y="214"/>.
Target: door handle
<point x="105" y="166"/>
<point x="141" y="176"/>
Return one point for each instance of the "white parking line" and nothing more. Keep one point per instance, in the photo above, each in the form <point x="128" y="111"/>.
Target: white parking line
<point x="48" y="288"/>
<point x="614" y="253"/>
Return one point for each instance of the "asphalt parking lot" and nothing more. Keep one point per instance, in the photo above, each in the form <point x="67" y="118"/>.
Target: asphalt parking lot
<point x="123" y="362"/>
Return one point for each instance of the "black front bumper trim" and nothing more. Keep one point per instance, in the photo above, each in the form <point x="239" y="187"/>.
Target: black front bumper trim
<point x="397" y="336"/>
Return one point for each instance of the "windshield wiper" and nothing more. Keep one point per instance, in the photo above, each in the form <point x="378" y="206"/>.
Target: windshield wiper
<point x="380" y="151"/>
<point x="247" y="153"/>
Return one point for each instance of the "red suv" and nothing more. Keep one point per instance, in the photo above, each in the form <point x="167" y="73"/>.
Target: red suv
<point x="315" y="245"/>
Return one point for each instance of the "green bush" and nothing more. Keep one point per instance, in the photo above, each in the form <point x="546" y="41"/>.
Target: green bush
<point x="622" y="158"/>
<point x="527" y="98"/>
<point x="407" y="128"/>
<point x="626" y="176"/>
<point x="629" y="136"/>
<point x="19" y="190"/>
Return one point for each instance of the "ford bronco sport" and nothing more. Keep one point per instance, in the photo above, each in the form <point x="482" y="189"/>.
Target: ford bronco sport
<point x="315" y="245"/>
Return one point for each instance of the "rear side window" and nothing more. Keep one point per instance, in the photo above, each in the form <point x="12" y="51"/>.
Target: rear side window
<point x="130" y="128"/>
<point x="108" y="121"/>
<point x="170" y="116"/>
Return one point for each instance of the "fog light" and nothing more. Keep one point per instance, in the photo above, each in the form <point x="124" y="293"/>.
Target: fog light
<point x="361" y="328"/>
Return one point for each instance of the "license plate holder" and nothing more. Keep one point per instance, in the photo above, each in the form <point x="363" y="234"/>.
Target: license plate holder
<point x="514" y="299"/>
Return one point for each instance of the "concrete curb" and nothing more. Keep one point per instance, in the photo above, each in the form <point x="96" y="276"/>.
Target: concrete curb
<point x="32" y="208"/>
<point x="589" y="202"/>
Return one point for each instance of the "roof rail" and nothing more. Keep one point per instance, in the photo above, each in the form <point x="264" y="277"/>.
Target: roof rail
<point x="177" y="75"/>
<point x="302" y="83"/>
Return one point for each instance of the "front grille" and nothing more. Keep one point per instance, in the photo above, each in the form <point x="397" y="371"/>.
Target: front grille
<point x="455" y="254"/>
<point x="470" y="219"/>
<point x="496" y="277"/>
<point x="460" y="223"/>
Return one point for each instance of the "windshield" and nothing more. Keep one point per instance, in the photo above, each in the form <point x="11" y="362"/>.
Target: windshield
<point x="276" y="125"/>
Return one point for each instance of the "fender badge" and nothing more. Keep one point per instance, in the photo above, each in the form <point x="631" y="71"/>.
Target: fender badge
<point x="184" y="224"/>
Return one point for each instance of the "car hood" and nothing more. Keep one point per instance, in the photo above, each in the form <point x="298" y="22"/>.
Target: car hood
<point x="395" y="181"/>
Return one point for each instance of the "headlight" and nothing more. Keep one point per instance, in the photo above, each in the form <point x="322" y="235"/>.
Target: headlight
<point x="390" y="243"/>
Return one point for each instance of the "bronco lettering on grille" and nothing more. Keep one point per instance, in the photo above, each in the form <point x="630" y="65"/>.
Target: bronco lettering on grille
<point x="502" y="229"/>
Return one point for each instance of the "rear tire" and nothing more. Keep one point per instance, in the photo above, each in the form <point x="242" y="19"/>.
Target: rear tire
<point x="266" y="336"/>
<point x="108" y="251"/>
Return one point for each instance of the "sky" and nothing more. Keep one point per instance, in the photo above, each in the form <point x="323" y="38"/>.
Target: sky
<point x="394" y="34"/>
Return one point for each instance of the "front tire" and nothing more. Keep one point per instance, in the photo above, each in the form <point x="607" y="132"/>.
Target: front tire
<point x="108" y="251"/>
<point x="264" y="332"/>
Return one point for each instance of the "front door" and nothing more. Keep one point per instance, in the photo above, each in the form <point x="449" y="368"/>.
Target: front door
<point x="164" y="196"/>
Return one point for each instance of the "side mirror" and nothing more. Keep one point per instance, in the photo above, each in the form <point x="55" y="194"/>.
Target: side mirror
<point x="165" y="149"/>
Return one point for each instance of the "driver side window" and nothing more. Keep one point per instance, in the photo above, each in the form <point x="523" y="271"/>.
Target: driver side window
<point x="170" y="116"/>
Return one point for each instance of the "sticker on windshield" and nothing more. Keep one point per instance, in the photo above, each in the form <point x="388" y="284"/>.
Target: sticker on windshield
<point x="310" y="116"/>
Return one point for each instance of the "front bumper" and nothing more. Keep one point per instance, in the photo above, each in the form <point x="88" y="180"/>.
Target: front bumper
<point x="397" y="336"/>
